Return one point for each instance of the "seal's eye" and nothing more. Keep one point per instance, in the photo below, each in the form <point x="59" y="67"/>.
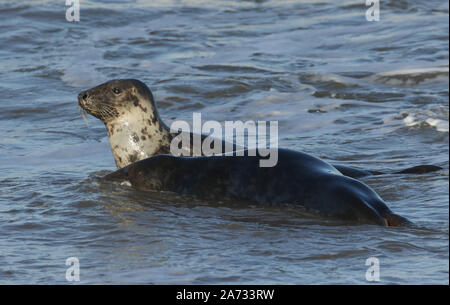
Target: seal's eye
<point x="116" y="90"/>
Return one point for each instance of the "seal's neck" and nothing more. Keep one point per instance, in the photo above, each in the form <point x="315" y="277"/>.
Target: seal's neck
<point x="137" y="135"/>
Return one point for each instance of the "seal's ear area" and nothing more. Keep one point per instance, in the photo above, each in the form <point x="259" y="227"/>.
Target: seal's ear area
<point x="134" y="91"/>
<point x="142" y="89"/>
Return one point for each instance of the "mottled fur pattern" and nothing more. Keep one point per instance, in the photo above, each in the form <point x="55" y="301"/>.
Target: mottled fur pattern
<point x="128" y="110"/>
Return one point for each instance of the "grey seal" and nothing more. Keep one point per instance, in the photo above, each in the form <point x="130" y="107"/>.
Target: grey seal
<point x="136" y="131"/>
<point x="140" y="142"/>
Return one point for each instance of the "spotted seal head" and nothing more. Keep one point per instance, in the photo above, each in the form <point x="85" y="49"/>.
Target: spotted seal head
<point x="127" y="109"/>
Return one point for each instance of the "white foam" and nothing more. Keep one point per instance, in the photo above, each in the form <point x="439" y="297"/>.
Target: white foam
<point x="440" y="125"/>
<point x="410" y="120"/>
<point x="415" y="71"/>
<point x="412" y="76"/>
<point x="125" y="183"/>
<point x="417" y="119"/>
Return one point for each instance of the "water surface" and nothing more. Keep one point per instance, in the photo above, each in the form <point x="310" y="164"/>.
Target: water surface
<point x="367" y="94"/>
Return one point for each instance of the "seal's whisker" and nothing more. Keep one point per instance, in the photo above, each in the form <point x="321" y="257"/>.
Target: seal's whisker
<point x="84" y="116"/>
<point x="106" y="110"/>
<point x="103" y="114"/>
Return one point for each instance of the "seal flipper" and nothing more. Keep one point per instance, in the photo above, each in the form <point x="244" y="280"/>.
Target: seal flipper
<point x="420" y="169"/>
<point x="358" y="173"/>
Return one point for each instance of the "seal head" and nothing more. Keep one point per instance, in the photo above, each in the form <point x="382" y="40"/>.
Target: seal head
<point x="127" y="109"/>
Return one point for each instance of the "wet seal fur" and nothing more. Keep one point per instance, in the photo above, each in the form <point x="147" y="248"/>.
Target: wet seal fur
<point x="297" y="178"/>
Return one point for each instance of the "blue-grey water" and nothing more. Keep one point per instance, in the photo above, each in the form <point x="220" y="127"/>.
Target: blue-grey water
<point x="367" y="94"/>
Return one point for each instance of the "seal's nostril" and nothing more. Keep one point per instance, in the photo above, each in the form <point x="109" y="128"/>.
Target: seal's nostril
<point x="83" y="96"/>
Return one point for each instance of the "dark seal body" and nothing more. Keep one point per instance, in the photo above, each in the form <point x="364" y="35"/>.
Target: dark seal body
<point x="298" y="178"/>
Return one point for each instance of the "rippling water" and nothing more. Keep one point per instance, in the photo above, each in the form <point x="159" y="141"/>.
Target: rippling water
<point x="366" y="94"/>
